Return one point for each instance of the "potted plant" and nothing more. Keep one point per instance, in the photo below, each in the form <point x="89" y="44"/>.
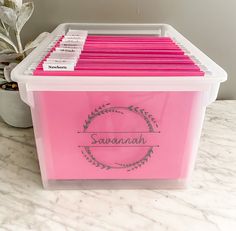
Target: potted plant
<point x="13" y="16"/>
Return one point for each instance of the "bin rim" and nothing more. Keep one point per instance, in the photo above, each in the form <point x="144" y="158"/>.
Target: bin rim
<point x="215" y="75"/>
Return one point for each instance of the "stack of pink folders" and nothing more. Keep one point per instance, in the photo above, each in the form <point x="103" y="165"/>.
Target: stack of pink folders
<point x="119" y="55"/>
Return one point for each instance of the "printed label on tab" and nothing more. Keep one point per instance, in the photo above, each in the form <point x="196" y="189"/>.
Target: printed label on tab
<point x="69" y="50"/>
<point x="72" y="46"/>
<point x="59" y="54"/>
<point x="72" y="42"/>
<point x="58" y="67"/>
<point x="75" y="37"/>
<point x="77" y="32"/>
<point x="62" y="58"/>
<point x="51" y="60"/>
<point x="60" y="62"/>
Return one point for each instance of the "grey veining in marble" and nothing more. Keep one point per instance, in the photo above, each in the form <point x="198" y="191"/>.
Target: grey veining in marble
<point x="209" y="204"/>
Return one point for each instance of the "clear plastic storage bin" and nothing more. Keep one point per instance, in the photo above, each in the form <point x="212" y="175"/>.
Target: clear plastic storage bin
<point x="117" y="132"/>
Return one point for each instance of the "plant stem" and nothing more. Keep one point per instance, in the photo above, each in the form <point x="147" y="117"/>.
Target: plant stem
<point x="18" y="39"/>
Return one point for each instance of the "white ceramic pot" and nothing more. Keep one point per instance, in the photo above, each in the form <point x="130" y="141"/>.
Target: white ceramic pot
<point x="13" y="110"/>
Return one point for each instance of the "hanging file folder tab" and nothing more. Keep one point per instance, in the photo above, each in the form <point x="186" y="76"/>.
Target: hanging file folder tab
<point x="58" y="66"/>
<point x="68" y="50"/>
<point x="77" y="33"/>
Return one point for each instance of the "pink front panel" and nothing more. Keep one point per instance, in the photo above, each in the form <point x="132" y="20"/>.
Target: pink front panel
<point x="117" y="135"/>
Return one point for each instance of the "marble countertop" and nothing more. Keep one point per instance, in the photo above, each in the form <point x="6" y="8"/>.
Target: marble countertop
<point x="209" y="204"/>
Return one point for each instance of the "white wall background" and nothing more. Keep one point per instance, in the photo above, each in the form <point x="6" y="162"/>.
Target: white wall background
<point x="209" y="24"/>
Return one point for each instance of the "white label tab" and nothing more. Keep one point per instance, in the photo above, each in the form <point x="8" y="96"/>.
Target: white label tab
<point x="77" y="32"/>
<point x="68" y="50"/>
<point x="72" y="43"/>
<point x="72" y="46"/>
<point x="78" y="37"/>
<point x="58" y="67"/>
<point x="58" y="54"/>
<point x="79" y="40"/>
<point x="51" y="60"/>
<point x="61" y="61"/>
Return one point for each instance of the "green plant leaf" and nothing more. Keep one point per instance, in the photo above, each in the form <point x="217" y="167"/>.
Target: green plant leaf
<point x="24" y="15"/>
<point x="14" y="4"/>
<point x="8" y="41"/>
<point x="7" y="51"/>
<point x="10" y="58"/>
<point x="31" y="45"/>
<point x="2" y="81"/>
<point x="4" y="46"/>
<point x="8" y="16"/>
<point x="9" y="4"/>
<point x="7" y="71"/>
<point x="2" y="30"/>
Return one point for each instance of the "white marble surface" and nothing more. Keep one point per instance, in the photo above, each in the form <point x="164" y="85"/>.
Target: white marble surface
<point x="209" y="204"/>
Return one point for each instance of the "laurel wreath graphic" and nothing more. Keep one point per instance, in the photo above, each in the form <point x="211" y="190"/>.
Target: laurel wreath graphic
<point x="107" y="108"/>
